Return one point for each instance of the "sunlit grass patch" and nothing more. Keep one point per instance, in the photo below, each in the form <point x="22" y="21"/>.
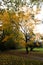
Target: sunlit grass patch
<point x="38" y="49"/>
<point x="34" y="49"/>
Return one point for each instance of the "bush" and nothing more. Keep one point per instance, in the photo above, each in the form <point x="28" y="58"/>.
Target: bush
<point x="9" y="44"/>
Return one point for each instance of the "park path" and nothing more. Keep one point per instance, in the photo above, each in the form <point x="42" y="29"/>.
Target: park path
<point x="30" y="55"/>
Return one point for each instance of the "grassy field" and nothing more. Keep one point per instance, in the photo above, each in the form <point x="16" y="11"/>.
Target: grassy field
<point x="38" y="49"/>
<point x="19" y="57"/>
<point x="34" y="49"/>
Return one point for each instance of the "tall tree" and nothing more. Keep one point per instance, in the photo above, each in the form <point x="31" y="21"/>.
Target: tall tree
<point x="19" y="15"/>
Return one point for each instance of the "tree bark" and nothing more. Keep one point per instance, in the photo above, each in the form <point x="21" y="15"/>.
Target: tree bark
<point x="31" y="49"/>
<point x="26" y="49"/>
<point x="26" y="44"/>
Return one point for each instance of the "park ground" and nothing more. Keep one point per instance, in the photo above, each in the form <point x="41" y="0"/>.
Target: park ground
<point x="19" y="57"/>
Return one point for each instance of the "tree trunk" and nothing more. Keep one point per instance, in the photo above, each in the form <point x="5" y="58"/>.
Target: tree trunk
<point x="31" y="49"/>
<point x="26" y="44"/>
<point x="27" y="49"/>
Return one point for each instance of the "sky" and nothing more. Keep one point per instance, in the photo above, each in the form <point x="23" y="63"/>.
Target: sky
<point x="39" y="27"/>
<point x="0" y="0"/>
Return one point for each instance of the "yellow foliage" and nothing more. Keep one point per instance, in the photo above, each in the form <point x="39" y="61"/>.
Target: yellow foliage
<point x="26" y="17"/>
<point x="1" y="28"/>
<point x="37" y="44"/>
<point x="15" y="18"/>
<point x="11" y="35"/>
<point x="0" y="16"/>
<point x="5" y="39"/>
<point x="22" y="43"/>
<point x="5" y="17"/>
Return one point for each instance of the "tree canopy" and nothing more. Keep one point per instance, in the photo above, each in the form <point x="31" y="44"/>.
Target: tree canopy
<point x="19" y="18"/>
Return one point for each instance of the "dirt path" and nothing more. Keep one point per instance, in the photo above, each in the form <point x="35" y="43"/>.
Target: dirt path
<point x="30" y="55"/>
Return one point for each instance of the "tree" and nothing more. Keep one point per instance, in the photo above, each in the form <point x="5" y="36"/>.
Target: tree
<point x="10" y="27"/>
<point x="17" y="16"/>
<point x="27" y="24"/>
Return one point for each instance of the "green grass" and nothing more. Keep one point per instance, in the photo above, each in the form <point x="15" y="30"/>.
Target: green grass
<point x="38" y="49"/>
<point x="34" y="49"/>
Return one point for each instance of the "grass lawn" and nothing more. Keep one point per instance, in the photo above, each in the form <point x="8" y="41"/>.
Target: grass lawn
<point x="34" y="49"/>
